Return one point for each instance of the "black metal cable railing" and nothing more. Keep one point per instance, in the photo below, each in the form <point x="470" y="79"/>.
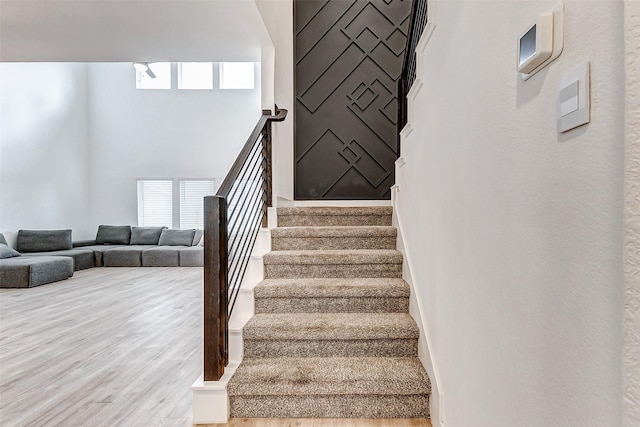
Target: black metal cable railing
<point x="417" y="25"/>
<point x="233" y="218"/>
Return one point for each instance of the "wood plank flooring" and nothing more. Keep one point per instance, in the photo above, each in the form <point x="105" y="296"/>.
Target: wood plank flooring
<point x="108" y="347"/>
<point x="113" y="347"/>
<point x="323" y="422"/>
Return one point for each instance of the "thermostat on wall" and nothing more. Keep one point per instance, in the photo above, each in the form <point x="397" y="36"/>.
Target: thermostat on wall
<point x="536" y="44"/>
<point x="540" y="43"/>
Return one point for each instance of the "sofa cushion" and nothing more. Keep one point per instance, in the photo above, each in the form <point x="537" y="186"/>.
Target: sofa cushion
<point x="124" y="256"/>
<point x="7" y="252"/>
<point x="161" y="256"/>
<point x="3" y="240"/>
<point x="113" y="235"/>
<point x="43" y="240"/>
<point x="192" y="256"/>
<point x="146" y="235"/>
<point x="98" y="251"/>
<point x="171" y="237"/>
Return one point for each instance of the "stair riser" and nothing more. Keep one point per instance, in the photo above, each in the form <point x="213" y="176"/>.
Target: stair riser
<point x="328" y="243"/>
<point x="331" y="406"/>
<point x="333" y="220"/>
<point x="293" y="271"/>
<point x="331" y="305"/>
<point x="331" y="348"/>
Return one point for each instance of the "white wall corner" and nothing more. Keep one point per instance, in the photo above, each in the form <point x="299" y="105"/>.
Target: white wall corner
<point x="267" y="76"/>
<point x="211" y="399"/>
<point x="425" y="353"/>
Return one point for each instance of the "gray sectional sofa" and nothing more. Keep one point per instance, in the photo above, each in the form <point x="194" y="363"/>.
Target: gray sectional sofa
<point x="45" y="256"/>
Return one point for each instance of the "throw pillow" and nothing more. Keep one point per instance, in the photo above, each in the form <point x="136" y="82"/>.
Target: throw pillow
<point x="146" y="235"/>
<point x="7" y="252"/>
<point x="113" y="235"/>
<point x="176" y="237"/>
<point x="43" y="240"/>
<point x="197" y="237"/>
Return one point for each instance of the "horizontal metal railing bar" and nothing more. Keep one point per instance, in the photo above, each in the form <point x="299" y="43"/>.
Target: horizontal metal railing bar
<point x="236" y="289"/>
<point x="251" y="163"/>
<point x="247" y="202"/>
<point x="248" y="205"/>
<point x="242" y="232"/>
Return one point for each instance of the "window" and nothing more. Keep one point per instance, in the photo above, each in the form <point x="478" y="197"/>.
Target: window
<point x="155" y="203"/>
<point x="192" y="193"/>
<point x="237" y="75"/>
<point x="161" y="72"/>
<point x="195" y="75"/>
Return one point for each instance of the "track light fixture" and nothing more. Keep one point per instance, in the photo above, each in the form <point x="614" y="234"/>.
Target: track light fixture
<point x="143" y="67"/>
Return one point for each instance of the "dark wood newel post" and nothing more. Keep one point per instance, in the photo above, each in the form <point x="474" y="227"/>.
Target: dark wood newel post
<point x="215" y="287"/>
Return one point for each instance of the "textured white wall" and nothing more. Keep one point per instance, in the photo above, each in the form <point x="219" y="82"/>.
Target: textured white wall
<point x="632" y="216"/>
<point x="515" y="231"/>
<point x="44" y="147"/>
<point x="159" y="134"/>
<point x="278" y="18"/>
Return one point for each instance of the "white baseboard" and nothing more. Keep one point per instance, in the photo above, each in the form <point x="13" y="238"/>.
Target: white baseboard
<point x="210" y="398"/>
<point x="425" y="355"/>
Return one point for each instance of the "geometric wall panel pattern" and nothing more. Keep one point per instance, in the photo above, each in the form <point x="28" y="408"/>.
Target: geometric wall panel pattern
<point x="348" y="59"/>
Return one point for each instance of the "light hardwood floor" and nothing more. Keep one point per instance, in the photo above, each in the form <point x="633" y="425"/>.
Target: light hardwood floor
<point x="108" y="347"/>
<point x="112" y="347"/>
<point x="325" y="422"/>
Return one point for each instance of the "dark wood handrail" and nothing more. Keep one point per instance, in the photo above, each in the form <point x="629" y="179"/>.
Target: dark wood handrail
<point x="227" y="184"/>
<point x="252" y="164"/>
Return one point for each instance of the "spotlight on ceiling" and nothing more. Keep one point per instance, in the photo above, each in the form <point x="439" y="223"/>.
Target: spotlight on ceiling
<point x="143" y="67"/>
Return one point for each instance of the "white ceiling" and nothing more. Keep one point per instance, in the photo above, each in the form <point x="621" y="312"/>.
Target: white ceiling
<point x="130" y="30"/>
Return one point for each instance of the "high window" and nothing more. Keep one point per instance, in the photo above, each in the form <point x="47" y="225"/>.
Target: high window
<point x="195" y="75"/>
<point x="237" y="75"/>
<point x="158" y="78"/>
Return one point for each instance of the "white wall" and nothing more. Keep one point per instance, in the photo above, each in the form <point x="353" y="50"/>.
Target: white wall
<point x="159" y="134"/>
<point x="278" y="18"/>
<point x="44" y="148"/>
<point x="632" y="216"/>
<point x="515" y="231"/>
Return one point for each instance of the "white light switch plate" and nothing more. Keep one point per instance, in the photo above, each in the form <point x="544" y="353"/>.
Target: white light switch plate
<point x="573" y="103"/>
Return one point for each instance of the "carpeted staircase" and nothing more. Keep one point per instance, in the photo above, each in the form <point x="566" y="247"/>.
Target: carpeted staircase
<point x="331" y="335"/>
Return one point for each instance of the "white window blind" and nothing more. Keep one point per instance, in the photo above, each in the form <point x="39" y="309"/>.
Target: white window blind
<point x="192" y="194"/>
<point x="155" y="203"/>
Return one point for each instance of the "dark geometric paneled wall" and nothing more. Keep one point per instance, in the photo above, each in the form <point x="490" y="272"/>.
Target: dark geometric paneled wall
<point x="348" y="56"/>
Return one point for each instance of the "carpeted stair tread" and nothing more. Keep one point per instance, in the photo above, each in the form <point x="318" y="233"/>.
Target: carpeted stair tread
<point x="330" y="326"/>
<point x="321" y="295"/>
<point x="336" y="211"/>
<point x="310" y="257"/>
<point x="335" y="237"/>
<point x="329" y="288"/>
<point x="323" y="216"/>
<point x="335" y="231"/>
<point x="319" y="376"/>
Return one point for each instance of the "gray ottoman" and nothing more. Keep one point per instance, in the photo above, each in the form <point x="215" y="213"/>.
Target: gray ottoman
<point x="27" y="272"/>
<point x="82" y="258"/>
